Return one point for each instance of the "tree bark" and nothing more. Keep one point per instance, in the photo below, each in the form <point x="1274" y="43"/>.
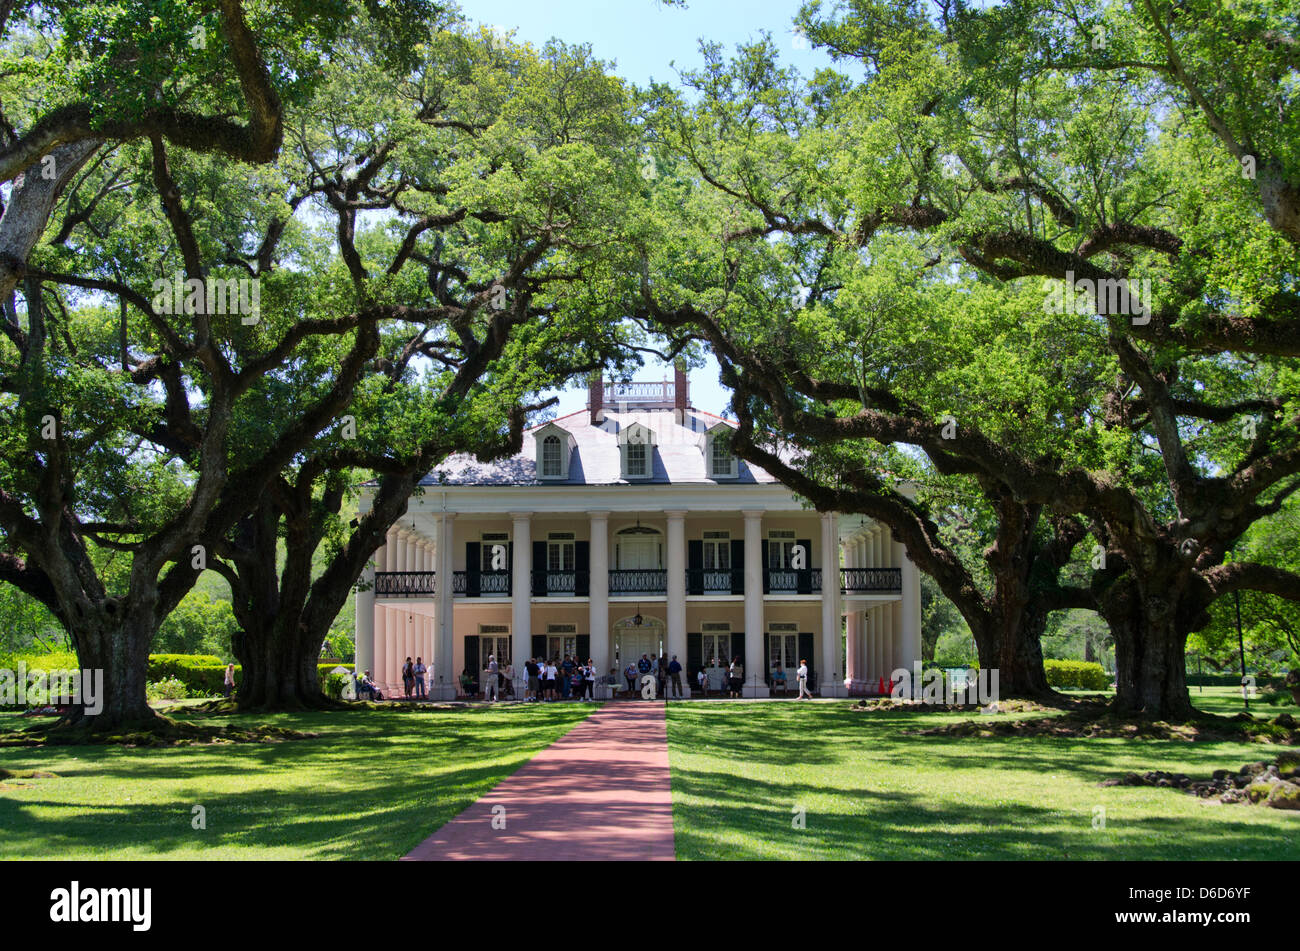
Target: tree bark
<point x="1144" y="618"/>
<point x="116" y="640"/>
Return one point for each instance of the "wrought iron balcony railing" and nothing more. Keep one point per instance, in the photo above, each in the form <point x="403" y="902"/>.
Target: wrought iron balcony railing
<point x="560" y="583"/>
<point x="638" y="581"/>
<point x="863" y="580"/>
<point x="405" y="584"/>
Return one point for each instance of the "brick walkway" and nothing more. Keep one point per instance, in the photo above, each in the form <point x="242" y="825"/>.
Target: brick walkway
<point x="600" y="792"/>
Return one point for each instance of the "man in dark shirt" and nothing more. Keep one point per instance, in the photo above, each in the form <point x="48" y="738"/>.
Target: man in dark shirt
<point x="675" y="672"/>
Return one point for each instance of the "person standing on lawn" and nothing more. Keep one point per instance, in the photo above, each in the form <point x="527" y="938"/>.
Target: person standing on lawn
<point x="803" y="680"/>
<point x="230" y="680"/>
<point x="420" y="671"/>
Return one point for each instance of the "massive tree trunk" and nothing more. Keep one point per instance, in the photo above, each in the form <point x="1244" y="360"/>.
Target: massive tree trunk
<point x="285" y="616"/>
<point x="1150" y="635"/>
<point x="114" y="639"/>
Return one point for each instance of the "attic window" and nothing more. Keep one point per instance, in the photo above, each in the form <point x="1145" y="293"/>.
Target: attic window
<point x="636" y="444"/>
<point x="722" y="464"/>
<point x="636" y="459"/>
<point x="552" y="466"/>
<point x="554" y="447"/>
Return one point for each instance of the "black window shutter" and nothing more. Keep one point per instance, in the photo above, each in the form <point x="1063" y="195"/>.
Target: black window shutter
<point x="539" y="569"/>
<point x="473" y="566"/>
<point x="539" y="646"/>
<point x="738" y="566"/>
<point x="805" y="576"/>
<point x="584" y="647"/>
<point x="763" y="549"/>
<point x="806" y="654"/>
<point x="695" y="566"/>
<point x="471" y="654"/>
<point x="582" y="565"/>
<point x="694" y="657"/>
<point x="767" y="659"/>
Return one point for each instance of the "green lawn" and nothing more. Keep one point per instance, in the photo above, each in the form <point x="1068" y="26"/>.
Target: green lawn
<point x="372" y="786"/>
<point x="869" y="792"/>
<point x="378" y="782"/>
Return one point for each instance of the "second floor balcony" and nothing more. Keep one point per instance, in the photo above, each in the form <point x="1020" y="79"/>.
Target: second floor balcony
<point x="649" y="582"/>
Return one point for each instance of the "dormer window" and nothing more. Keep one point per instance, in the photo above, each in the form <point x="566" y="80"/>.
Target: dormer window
<point x="636" y="445"/>
<point x="718" y="457"/>
<point x="552" y="467"/>
<point x="555" y="445"/>
<point x="636" y="460"/>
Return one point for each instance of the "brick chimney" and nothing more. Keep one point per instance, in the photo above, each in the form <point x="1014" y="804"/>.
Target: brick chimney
<point x="680" y="393"/>
<point x="596" y="397"/>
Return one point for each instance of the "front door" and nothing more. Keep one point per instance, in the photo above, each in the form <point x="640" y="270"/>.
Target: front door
<point x="638" y="553"/>
<point x="634" y="641"/>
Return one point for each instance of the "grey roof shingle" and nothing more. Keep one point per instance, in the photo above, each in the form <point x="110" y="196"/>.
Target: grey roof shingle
<point x="678" y="456"/>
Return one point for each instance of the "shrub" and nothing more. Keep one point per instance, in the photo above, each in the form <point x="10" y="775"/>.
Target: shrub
<point x="202" y="674"/>
<point x="169" y="689"/>
<point x="1079" y="674"/>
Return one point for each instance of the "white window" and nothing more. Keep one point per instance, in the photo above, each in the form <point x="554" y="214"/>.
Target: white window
<point x="495" y="551"/>
<point x="722" y="464"/>
<point x="782" y="647"/>
<point x="560" y="551"/>
<point x="554" y="447"/>
<point x="717" y="561"/>
<point x="636" y="459"/>
<point x="636" y="445"/>
<point x="552" y="467"/>
<point x="780" y="547"/>
<point x="562" y="642"/>
<point x="716" y="644"/>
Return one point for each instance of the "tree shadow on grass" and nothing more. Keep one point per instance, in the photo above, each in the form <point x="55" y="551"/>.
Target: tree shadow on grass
<point x="751" y="819"/>
<point x="368" y="787"/>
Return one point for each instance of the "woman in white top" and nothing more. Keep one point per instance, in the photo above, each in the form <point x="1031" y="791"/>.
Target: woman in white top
<point x="803" y="680"/>
<point x="551" y="674"/>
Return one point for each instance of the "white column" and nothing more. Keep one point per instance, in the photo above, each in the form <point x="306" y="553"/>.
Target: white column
<point x="521" y="609"/>
<point x="598" y="597"/>
<point x="393" y="662"/>
<point x="852" y="655"/>
<point x="830" y="607"/>
<point x="754" y="659"/>
<point x="676" y="592"/>
<point x="878" y="635"/>
<point x="852" y="629"/>
<point x="390" y="551"/>
<point x="443" y="681"/>
<point x="381" y="648"/>
<point x="365" y="607"/>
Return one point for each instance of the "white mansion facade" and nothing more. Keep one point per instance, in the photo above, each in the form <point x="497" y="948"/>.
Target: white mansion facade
<point x="630" y="529"/>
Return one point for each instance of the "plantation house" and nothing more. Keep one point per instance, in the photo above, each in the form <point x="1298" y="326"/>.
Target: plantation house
<point x="627" y="529"/>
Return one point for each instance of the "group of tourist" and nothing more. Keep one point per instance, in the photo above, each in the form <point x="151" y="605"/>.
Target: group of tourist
<point x="665" y="672"/>
<point x="413" y="679"/>
<point x="556" y="679"/>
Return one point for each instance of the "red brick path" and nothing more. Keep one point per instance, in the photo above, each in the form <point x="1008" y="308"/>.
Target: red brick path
<point x="600" y="792"/>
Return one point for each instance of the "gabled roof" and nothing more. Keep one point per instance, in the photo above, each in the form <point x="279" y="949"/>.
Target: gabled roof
<point x="596" y="459"/>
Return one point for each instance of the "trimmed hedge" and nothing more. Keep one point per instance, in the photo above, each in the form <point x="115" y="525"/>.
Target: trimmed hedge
<point x="1083" y="675"/>
<point x="204" y="678"/>
<point x="204" y="675"/>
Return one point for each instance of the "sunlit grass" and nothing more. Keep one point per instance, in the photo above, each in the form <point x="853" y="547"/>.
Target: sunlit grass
<point x="372" y="786"/>
<point x="868" y="791"/>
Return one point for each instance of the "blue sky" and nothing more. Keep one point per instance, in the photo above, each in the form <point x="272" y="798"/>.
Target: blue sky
<point x="646" y="41"/>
